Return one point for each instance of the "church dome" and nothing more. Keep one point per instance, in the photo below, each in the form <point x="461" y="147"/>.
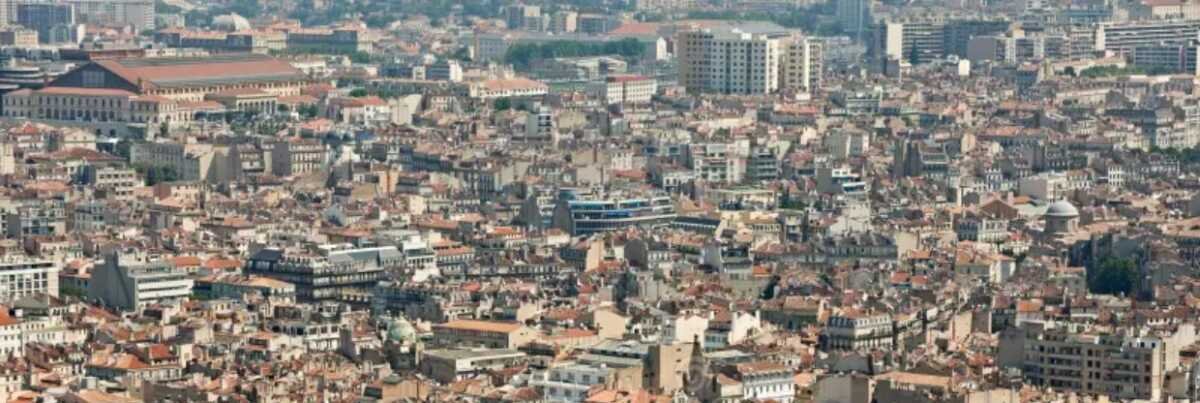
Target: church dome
<point x="401" y="331"/>
<point x="1062" y="208"/>
<point x="231" y="22"/>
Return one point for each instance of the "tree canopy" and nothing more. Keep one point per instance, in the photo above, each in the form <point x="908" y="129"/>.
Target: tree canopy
<point x="522" y="55"/>
<point x="1113" y="276"/>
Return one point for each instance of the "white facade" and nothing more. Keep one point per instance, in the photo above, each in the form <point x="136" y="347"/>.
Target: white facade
<point x="22" y="276"/>
<point x="728" y="62"/>
<point x="571" y="382"/>
<point x="629" y="89"/>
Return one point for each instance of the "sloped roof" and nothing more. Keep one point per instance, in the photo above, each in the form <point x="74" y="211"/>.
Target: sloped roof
<point x="187" y="72"/>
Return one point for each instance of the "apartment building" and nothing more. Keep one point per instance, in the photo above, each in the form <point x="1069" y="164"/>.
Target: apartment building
<point x="112" y="182"/>
<point x="912" y="41"/>
<point x="132" y="282"/>
<point x="1122" y="38"/>
<point x="22" y="276"/>
<point x="297" y="156"/>
<point x="761" y="381"/>
<point x="572" y="381"/>
<point x="34" y="217"/>
<point x="857" y="331"/>
<point x="728" y="61"/>
<point x="629" y="89"/>
<point x="191" y="162"/>
<point x="138" y="14"/>
<point x="326" y="272"/>
<point x="1120" y="363"/>
<point x="802" y="63"/>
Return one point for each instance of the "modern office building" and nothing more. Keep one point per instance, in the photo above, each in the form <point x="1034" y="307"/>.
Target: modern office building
<point x="912" y="41"/>
<point x="45" y="17"/>
<point x="854" y="17"/>
<point x="1123" y="38"/>
<point x="131" y="282"/>
<point x="592" y="214"/>
<point x="728" y="61"/>
<point x="327" y="272"/>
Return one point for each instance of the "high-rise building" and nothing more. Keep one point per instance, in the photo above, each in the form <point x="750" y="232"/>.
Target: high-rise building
<point x="854" y="17"/>
<point x="564" y="21"/>
<point x="1123" y="38"/>
<point x="136" y="13"/>
<point x="44" y="18"/>
<point x="801" y="65"/>
<point x="728" y="61"/>
<point x="7" y="12"/>
<point x="916" y="41"/>
<point x="521" y="16"/>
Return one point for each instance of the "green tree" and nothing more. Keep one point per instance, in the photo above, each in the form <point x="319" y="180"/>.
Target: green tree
<point x="157" y="173"/>
<point x="358" y="92"/>
<point x="522" y="55"/>
<point x="502" y="104"/>
<point x="1113" y="276"/>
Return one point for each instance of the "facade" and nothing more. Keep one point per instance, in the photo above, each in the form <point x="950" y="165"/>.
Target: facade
<point x="507" y="88"/>
<point x="455" y="365"/>
<point x="45" y="18"/>
<point x="330" y="272"/>
<point x="915" y="42"/>
<point x="572" y="382"/>
<point x="857" y="331"/>
<point x="762" y="381"/>
<point x="1123" y="38"/>
<point x="981" y="228"/>
<point x="138" y="14"/>
<point x="31" y="218"/>
<point x="18" y="37"/>
<point x="629" y="89"/>
<point x="802" y="63"/>
<point x="129" y="284"/>
<point x="588" y="216"/>
<point x="1119" y="364"/>
<point x="22" y="276"/>
<point x="297" y="156"/>
<point x="854" y="17"/>
<point x="728" y="61"/>
<point x="333" y="40"/>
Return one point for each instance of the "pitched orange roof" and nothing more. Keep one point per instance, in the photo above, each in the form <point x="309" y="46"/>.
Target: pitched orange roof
<point x="480" y="326"/>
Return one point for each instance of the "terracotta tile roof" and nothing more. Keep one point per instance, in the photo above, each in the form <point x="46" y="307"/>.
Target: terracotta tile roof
<point x="185" y="72"/>
<point x="481" y="326"/>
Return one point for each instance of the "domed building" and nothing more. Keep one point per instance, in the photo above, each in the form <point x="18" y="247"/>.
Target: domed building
<point x="401" y="331"/>
<point x="231" y="23"/>
<point x="1061" y="217"/>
